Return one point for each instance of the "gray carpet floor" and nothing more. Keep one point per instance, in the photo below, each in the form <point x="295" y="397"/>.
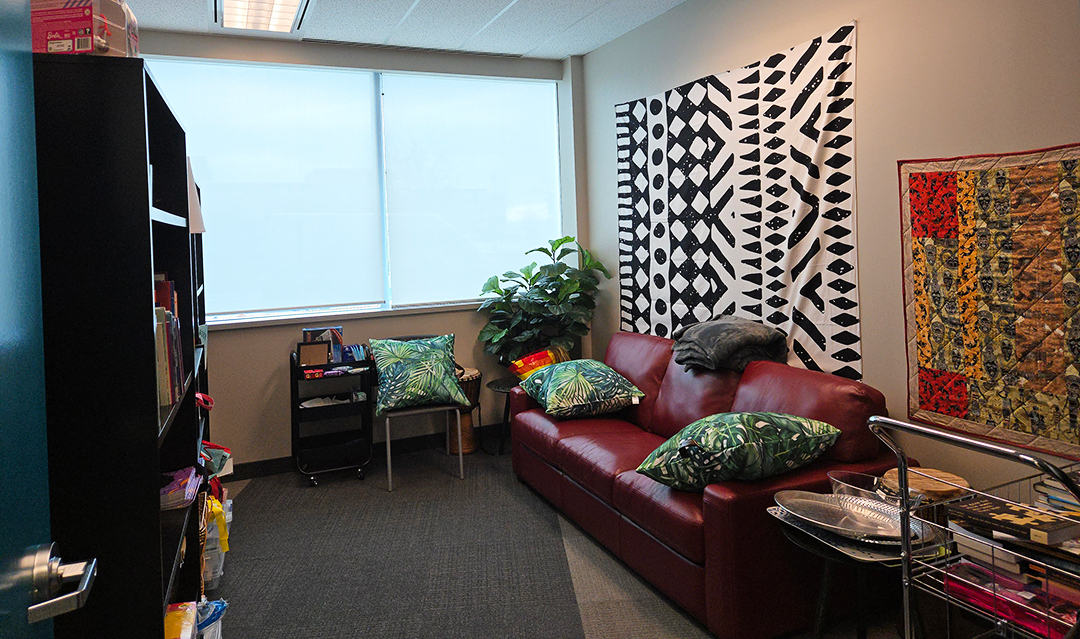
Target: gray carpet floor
<point x="438" y="557"/>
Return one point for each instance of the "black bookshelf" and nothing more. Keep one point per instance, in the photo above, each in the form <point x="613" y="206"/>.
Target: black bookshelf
<point x="106" y="227"/>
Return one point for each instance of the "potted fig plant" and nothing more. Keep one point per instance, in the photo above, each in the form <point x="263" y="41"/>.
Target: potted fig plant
<point x="542" y="306"/>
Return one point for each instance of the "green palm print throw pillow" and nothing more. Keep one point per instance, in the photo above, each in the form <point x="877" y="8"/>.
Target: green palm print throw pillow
<point x="418" y="372"/>
<point x="744" y="446"/>
<point x="579" y="388"/>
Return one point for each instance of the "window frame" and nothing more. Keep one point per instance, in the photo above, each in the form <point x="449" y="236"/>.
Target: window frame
<point x="386" y="308"/>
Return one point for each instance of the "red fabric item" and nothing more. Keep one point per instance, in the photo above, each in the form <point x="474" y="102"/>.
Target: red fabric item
<point x="943" y="392"/>
<point x="933" y="205"/>
<point x="779" y="388"/>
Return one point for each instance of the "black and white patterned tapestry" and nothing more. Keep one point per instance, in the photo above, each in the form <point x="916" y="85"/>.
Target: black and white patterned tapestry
<point x="736" y="196"/>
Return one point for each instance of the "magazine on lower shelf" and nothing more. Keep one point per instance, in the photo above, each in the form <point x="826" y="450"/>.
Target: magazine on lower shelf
<point x="179" y="488"/>
<point x="1027" y="605"/>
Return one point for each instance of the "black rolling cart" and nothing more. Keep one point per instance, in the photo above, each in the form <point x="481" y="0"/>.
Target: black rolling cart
<point x="331" y="417"/>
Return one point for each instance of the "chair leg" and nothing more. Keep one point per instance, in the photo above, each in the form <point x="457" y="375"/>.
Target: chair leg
<point x="460" y="457"/>
<point x="389" y="475"/>
<point x="447" y="432"/>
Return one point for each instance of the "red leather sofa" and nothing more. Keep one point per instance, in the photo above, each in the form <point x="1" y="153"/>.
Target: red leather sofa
<point x="719" y="554"/>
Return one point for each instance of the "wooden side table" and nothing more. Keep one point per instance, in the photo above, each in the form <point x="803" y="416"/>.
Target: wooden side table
<point x="503" y="385"/>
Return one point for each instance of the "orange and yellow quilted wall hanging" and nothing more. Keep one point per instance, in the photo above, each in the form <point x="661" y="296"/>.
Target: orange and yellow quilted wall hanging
<point x="991" y="258"/>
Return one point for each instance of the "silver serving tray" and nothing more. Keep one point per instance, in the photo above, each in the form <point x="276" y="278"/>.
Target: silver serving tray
<point x="884" y="555"/>
<point x="854" y="517"/>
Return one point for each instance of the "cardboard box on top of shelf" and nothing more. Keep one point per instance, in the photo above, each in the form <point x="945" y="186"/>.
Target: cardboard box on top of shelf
<point x="98" y="27"/>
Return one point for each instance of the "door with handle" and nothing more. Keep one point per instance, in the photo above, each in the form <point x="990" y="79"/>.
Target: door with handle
<point x="32" y="581"/>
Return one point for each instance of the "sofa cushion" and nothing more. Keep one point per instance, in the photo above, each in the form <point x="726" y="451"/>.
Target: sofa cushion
<point x="582" y="387"/>
<point x="642" y="359"/>
<point x="672" y="516"/>
<point x="740" y="446"/>
<point x="846" y="404"/>
<point x="687" y="396"/>
<point x="594" y="459"/>
<point x="541" y="432"/>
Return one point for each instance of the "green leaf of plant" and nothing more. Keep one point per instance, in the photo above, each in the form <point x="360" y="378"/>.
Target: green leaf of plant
<point x="492" y="286"/>
<point x="555" y="244"/>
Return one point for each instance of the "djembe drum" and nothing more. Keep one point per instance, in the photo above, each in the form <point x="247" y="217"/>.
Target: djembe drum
<point x="469" y="380"/>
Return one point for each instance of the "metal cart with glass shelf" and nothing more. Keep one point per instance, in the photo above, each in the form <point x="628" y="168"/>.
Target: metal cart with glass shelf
<point x="1008" y="604"/>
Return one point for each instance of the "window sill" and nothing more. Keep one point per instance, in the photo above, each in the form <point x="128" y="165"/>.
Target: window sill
<point x="233" y="321"/>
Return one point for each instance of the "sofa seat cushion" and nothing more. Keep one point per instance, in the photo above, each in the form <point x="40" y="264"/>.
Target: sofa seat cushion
<point x="594" y="459"/>
<point x="541" y="432"/>
<point x="672" y="516"/>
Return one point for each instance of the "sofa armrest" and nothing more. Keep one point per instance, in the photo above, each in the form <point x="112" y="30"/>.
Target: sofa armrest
<point x="750" y="565"/>
<point x="520" y="401"/>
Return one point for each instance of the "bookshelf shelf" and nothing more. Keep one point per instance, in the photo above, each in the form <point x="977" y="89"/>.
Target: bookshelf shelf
<point x="158" y="215"/>
<point x="174" y="524"/>
<point x="106" y="229"/>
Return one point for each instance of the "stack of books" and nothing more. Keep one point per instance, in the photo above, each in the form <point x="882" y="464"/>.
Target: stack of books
<point x="179" y="488"/>
<point x="1018" y="563"/>
<point x="170" y="363"/>
<point x="1054" y="496"/>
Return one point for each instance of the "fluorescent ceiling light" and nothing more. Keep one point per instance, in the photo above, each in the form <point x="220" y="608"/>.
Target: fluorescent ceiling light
<point x="261" y="15"/>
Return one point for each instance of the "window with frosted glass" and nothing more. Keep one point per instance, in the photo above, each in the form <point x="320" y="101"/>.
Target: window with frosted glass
<point x="472" y="181"/>
<point x="286" y="158"/>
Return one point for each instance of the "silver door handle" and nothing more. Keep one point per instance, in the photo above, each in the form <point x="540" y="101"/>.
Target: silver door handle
<point x="54" y="573"/>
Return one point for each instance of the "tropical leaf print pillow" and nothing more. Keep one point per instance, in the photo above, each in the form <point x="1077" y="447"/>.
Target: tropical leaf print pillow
<point x="744" y="446"/>
<point x="417" y="372"/>
<point x="579" y="388"/>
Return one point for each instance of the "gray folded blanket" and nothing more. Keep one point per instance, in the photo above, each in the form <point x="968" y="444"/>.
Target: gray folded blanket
<point x="728" y="342"/>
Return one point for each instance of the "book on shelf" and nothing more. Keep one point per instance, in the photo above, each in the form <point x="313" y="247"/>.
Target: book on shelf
<point x="988" y="552"/>
<point x="162" y="352"/>
<point x="1053" y="483"/>
<point x="170" y="362"/>
<point x="179" y="488"/>
<point x="1027" y="605"/>
<point x="165" y="293"/>
<point x="1022" y="521"/>
<point x="1056" y="582"/>
<point x="1063" y="498"/>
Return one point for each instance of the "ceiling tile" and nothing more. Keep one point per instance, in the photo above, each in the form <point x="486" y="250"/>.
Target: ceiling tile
<point x="172" y="15"/>
<point x="529" y="23"/>
<point x="367" y="22"/>
<point x="610" y="21"/>
<point x="437" y="24"/>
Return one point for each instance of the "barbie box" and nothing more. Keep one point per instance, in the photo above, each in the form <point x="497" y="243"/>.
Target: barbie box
<point x="78" y="26"/>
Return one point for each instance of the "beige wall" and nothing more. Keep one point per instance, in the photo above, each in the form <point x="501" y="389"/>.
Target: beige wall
<point x="249" y="377"/>
<point x="934" y="79"/>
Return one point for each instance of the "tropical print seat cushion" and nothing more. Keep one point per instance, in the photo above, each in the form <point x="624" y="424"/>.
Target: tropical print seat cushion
<point x="743" y="446"/>
<point x="417" y="372"/>
<point x="580" y="387"/>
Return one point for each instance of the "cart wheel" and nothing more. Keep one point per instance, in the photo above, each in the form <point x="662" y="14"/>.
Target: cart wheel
<point x="314" y="482"/>
<point x="360" y="474"/>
